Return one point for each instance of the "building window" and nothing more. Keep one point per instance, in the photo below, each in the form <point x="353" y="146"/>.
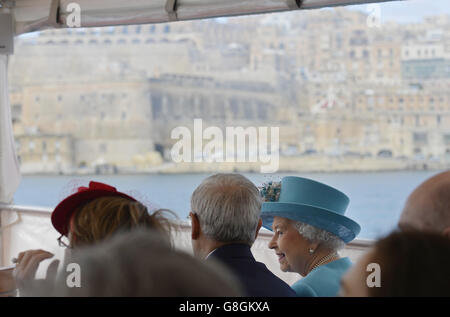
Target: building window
<point x="446" y="139"/>
<point x="102" y="148"/>
<point x="16" y="113"/>
<point x="420" y="138"/>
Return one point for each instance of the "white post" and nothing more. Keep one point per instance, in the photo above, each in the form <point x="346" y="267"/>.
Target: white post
<point x="9" y="165"/>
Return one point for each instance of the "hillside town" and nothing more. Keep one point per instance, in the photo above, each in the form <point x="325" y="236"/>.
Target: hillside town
<point x="346" y="95"/>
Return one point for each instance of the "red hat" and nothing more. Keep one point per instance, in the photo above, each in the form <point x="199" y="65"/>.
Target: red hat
<point x="63" y="212"/>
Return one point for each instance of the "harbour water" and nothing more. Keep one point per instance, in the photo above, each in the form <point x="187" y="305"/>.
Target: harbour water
<point x="376" y="199"/>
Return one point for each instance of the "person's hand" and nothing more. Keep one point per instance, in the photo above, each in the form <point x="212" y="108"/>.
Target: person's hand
<point x="28" y="263"/>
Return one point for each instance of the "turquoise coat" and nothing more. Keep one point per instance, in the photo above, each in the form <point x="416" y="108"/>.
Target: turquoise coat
<point x="323" y="281"/>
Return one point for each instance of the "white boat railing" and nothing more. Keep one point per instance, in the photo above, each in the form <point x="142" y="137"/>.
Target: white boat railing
<point x="29" y="227"/>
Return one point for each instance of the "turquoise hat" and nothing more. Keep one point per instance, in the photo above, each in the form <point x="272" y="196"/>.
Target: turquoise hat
<point x="305" y="200"/>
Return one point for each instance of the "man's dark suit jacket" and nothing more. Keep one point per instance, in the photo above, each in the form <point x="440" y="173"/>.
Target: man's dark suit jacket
<point x="254" y="276"/>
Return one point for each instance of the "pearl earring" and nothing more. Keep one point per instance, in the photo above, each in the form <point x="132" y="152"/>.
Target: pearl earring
<point x="311" y="251"/>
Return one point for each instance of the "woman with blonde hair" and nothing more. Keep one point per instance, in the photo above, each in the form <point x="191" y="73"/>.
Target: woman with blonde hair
<point x="91" y="215"/>
<point x="175" y="273"/>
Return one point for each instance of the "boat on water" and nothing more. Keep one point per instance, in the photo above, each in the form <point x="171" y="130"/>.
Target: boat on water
<point x="29" y="227"/>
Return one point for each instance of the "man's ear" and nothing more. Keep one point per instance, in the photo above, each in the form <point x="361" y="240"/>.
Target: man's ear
<point x="195" y="226"/>
<point x="258" y="227"/>
<point x="446" y="232"/>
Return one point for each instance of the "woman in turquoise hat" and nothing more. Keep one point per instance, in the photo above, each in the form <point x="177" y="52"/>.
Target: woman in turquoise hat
<point x="309" y="225"/>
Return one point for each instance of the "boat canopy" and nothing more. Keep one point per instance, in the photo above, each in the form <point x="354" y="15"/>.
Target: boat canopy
<point x="34" y="15"/>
